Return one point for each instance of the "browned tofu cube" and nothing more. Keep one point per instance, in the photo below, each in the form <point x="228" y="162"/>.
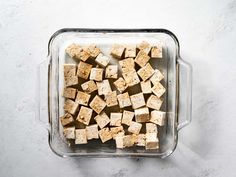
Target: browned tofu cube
<point x="146" y="72"/>
<point x="124" y="100"/>
<point x="105" y="134"/>
<point x="111" y="99"/>
<point x="102" y="60"/>
<point x="127" y="117"/>
<point x="96" y="74"/>
<point x="73" y="50"/>
<point x="104" y="87"/>
<point x="92" y="50"/>
<point x="117" y="131"/>
<point x="80" y="136"/>
<point x="135" y="127"/>
<point x="130" y="51"/>
<point x="158" y="89"/>
<point x="158" y="117"/>
<point x="156" y="77"/>
<point x="111" y="72"/>
<point x="154" y="102"/>
<point x="69" y="132"/>
<point x="117" y="50"/>
<point x="141" y="140"/>
<point x="120" y="84"/>
<point x="115" y="119"/>
<point x="146" y="87"/>
<point x="84" y="70"/>
<point x="144" y="46"/>
<point x="84" y="115"/>
<point x="152" y="141"/>
<point x="119" y="142"/>
<point x="142" y="58"/>
<point x="71" y="106"/>
<point x="66" y="119"/>
<point x="70" y="81"/>
<point x="69" y="93"/>
<point x="137" y="100"/>
<point x="131" y="78"/>
<point x="69" y="70"/>
<point x="156" y="51"/>
<point x="89" y="86"/>
<point x="82" y="98"/>
<point x="151" y="128"/>
<point x="127" y="65"/>
<point x="92" y="132"/>
<point x="128" y="141"/>
<point x="141" y="115"/>
<point x="97" y="104"/>
<point x="102" y="119"/>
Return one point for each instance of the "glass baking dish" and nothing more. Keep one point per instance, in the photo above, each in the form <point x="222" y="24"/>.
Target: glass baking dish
<point x="177" y="100"/>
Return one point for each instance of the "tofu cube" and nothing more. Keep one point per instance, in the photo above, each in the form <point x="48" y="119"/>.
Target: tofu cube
<point x="127" y="117"/>
<point x="102" y="60"/>
<point x="130" y="51"/>
<point x="92" y="50"/>
<point x="104" y="87"/>
<point x="154" y="102"/>
<point x="89" y="86"/>
<point x="70" y="81"/>
<point x="96" y="74"/>
<point x="124" y="100"/>
<point x="111" y="99"/>
<point x="156" y="77"/>
<point x="84" y="70"/>
<point x="131" y="78"/>
<point x="97" y="104"/>
<point x="142" y="115"/>
<point x="82" y="98"/>
<point x="120" y="84"/>
<point x="119" y="142"/>
<point x="115" y="119"/>
<point x="69" y="70"/>
<point x="92" y="132"/>
<point x="84" y="115"/>
<point x="80" y="136"/>
<point x="146" y="72"/>
<point x="102" y="119"/>
<point x="141" y="140"/>
<point x="151" y="128"/>
<point x="69" y="132"/>
<point x="73" y="50"/>
<point x="69" y="93"/>
<point x="117" y="131"/>
<point x="146" y="87"/>
<point x="127" y="65"/>
<point x="156" y="51"/>
<point x="137" y="100"/>
<point x="66" y="119"/>
<point x="144" y="46"/>
<point x="152" y="141"/>
<point x="158" y="117"/>
<point x="135" y="127"/>
<point x="111" y="72"/>
<point x="105" y="134"/>
<point x="83" y="55"/>
<point x="71" y="106"/>
<point x="117" y="50"/>
<point x="142" y="58"/>
<point x="158" y="89"/>
<point x="128" y="141"/>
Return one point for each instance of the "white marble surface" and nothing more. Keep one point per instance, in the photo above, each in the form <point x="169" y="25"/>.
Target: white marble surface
<point x="206" y="30"/>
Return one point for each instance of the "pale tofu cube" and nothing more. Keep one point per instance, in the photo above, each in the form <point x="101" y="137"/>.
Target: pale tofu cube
<point x="156" y="51"/>
<point x="119" y="142"/>
<point x="144" y="46"/>
<point x="69" y="70"/>
<point x="92" y="50"/>
<point x="73" y="50"/>
<point x="158" y="89"/>
<point x="127" y="117"/>
<point x="83" y="70"/>
<point x="111" y="99"/>
<point x="142" y="115"/>
<point x="102" y="119"/>
<point x="152" y="141"/>
<point x="146" y="72"/>
<point x="130" y="51"/>
<point x="104" y="87"/>
<point x="69" y="93"/>
<point x="82" y="98"/>
<point x="92" y="132"/>
<point x="115" y="119"/>
<point x="105" y="134"/>
<point x="117" y="50"/>
<point x="71" y="106"/>
<point x="146" y="87"/>
<point x="102" y="60"/>
<point x="156" y="77"/>
<point x="142" y="58"/>
<point x="128" y="141"/>
<point x="69" y="132"/>
<point x="124" y="100"/>
<point x="80" y="136"/>
<point x="135" y="127"/>
<point x="89" y="86"/>
<point x="96" y="74"/>
<point x="120" y="84"/>
<point x="84" y="115"/>
<point x="70" y="81"/>
<point x="127" y="65"/>
<point x="117" y="131"/>
<point x="151" y="128"/>
<point x="158" y="117"/>
<point x="66" y="119"/>
<point x="97" y="104"/>
<point x="131" y="78"/>
<point x="141" y="140"/>
<point x="137" y="100"/>
<point x="154" y="102"/>
<point x="111" y="72"/>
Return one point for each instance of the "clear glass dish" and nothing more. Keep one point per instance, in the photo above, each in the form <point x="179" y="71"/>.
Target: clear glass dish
<point x="178" y="83"/>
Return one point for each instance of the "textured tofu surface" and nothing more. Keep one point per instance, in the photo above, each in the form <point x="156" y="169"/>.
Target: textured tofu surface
<point x="84" y="115"/>
<point x="146" y="87"/>
<point x="82" y="98"/>
<point x="80" y="136"/>
<point x="120" y="84"/>
<point x="124" y="100"/>
<point x="105" y="134"/>
<point x="127" y="65"/>
<point x="70" y="106"/>
<point x="83" y="70"/>
<point x="111" y="99"/>
<point x="102" y="60"/>
<point x="89" y="86"/>
<point x="156" y="51"/>
<point x="117" y="50"/>
<point x="142" y="115"/>
<point x="137" y="100"/>
<point x="158" y="89"/>
<point x="158" y="117"/>
<point x="111" y="72"/>
<point x="146" y="72"/>
<point x="142" y="58"/>
<point x="131" y="78"/>
<point x="102" y="119"/>
<point x="69" y="132"/>
<point x="66" y="119"/>
<point x="96" y="74"/>
<point x="92" y="132"/>
<point x="130" y="51"/>
<point x="127" y="117"/>
<point x="69" y="93"/>
<point x="104" y="87"/>
<point x="135" y="127"/>
<point x="154" y="102"/>
<point x="156" y="77"/>
<point x="97" y="104"/>
<point x="115" y="119"/>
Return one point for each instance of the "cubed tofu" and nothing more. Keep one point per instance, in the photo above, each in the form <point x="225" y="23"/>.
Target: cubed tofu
<point x="71" y="106"/>
<point x="111" y="72"/>
<point x="156" y="51"/>
<point x="102" y="119"/>
<point x="127" y="65"/>
<point x="117" y="131"/>
<point x="127" y="117"/>
<point x="124" y="100"/>
<point x="66" y="119"/>
<point x="128" y="141"/>
<point x="89" y="86"/>
<point x="135" y="127"/>
<point x="115" y="119"/>
<point x="142" y="58"/>
<point x="151" y="128"/>
<point x="130" y="51"/>
<point x="156" y="77"/>
<point x="137" y="100"/>
<point x="97" y="104"/>
<point x="105" y="134"/>
<point x="158" y="117"/>
<point x="119" y="142"/>
<point x="80" y="136"/>
<point x="131" y="78"/>
<point x="96" y="74"/>
<point x="111" y="99"/>
<point x="120" y="84"/>
<point x="144" y="46"/>
<point x="104" y="87"/>
<point x="74" y="50"/>
<point x="142" y="115"/>
<point x="117" y="50"/>
<point x="146" y="72"/>
<point x="92" y="50"/>
<point x="69" y="132"/>
<point x="154" y="102"/>
<point x="69" y="93"/>
<point x="70" y="81"/>
<point x="146" y="87"/>
<point x="83" y="55"/>
<point x="84" y="115"/>
<point x="152" y="141"/>
<point x="92" y="132"/>
<point x="83" y="70"/>
<point x="141" y="140"/>
<point x="69" y="70"/>
<point x="102" y="60"/>
<point x="82" y="98"/>
<point x="158" y="89"/>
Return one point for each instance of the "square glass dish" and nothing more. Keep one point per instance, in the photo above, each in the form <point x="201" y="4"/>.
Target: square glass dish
<point x="177" y="99"/>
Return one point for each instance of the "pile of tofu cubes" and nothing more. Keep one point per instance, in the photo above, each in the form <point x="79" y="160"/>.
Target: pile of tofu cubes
<point x="88" y="104"/>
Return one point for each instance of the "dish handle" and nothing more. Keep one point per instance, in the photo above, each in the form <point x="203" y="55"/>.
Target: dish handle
<point x="184" y="93"/>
